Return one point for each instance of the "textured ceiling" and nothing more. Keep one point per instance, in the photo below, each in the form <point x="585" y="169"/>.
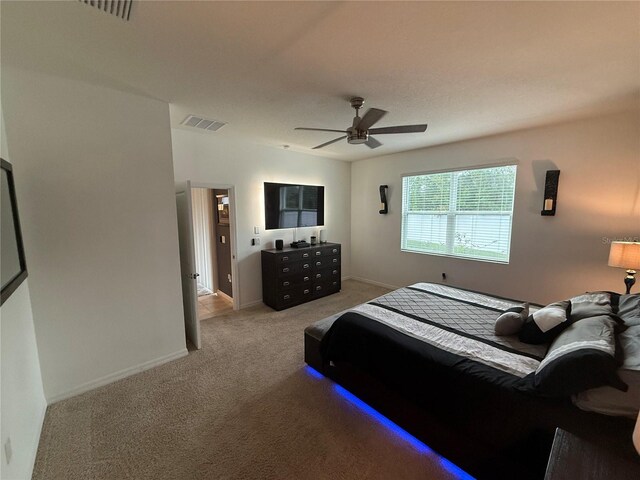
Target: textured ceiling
<point x="467" y="69"/>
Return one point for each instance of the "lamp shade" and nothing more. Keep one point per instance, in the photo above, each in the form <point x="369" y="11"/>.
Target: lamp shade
<point x="625" y="255"/>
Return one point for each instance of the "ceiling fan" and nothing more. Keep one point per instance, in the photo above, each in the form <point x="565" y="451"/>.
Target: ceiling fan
<point x="360" y="131"/>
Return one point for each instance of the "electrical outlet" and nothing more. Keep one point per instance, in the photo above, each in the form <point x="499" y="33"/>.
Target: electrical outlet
<point x="255" y="241"/>
<point x="7" y="450"/>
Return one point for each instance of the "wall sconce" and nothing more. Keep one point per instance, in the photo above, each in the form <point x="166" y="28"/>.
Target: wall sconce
<point x="383" y="200"/>
<point x="550" y="193"/>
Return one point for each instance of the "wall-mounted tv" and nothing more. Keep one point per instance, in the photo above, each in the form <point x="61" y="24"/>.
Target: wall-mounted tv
<point x="293" y="206"/>
<point x="13" y="267"/>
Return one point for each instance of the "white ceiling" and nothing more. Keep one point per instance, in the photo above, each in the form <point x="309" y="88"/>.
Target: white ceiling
<point x="467" y="69"/>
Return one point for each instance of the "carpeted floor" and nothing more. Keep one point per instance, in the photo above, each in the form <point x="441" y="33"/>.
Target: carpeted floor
<point x="243" y="407"/>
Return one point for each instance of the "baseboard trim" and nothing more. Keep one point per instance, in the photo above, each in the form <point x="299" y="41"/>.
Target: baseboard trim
<point x="224" y="295"/>
<point x="113" y="377"/>
<point x="373" y="282"/>
<point x="348" y="277"/>
<point x="251" y="304"/>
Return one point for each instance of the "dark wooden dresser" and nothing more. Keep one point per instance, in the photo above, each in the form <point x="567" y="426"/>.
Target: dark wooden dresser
<point x="297" y="275"/>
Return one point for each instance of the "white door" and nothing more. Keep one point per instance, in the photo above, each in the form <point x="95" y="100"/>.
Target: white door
<point x="188" y="263"/>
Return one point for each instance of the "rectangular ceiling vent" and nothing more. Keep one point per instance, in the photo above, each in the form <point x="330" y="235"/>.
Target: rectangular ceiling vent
<point x="202" y="123"/>
<point x="119" y="8"/>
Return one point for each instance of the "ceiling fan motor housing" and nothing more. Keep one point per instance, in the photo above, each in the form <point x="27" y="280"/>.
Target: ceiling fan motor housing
<point x="357" y="137"/>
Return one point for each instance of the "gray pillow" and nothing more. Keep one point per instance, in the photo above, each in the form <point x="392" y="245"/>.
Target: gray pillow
<point x="511" y="320"/>
<point x="590" y="304"/>
<point x="629" y="309"/>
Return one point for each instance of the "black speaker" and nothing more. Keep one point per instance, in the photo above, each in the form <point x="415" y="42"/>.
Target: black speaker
<point x="279" y="244"/>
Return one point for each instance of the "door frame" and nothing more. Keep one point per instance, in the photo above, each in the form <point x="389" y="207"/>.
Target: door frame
<point x="235" y="281"/>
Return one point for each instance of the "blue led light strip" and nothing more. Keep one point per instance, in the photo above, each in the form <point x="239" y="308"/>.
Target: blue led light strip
<point x="399" y="432"/>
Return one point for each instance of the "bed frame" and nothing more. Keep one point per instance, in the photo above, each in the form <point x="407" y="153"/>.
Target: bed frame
<point x="489" y="433"/>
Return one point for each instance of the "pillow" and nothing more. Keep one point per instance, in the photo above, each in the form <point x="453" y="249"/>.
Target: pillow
<point x="590" y="304"/>
<point x="610" y="401"/>
<point x="629" y="309"/>
<point x="580" y="358"/>
<point x="511" y="320"/>
<point x="545" y="324"/>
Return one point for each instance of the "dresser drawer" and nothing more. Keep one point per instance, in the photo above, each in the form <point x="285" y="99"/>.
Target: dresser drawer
<point x="288" y="257"/>
<point x="326" y="287"/>
<point x="285" y="269"/>
<point x="289" y="298"/>
<point x="327" y="251"/>
<point x="326" y="262"/>
<point x="288" y="282"/>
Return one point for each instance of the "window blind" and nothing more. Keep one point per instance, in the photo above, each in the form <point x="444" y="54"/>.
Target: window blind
<point x="462" y="213"/>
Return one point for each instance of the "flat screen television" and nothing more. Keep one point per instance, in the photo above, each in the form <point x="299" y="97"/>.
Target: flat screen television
<point x="293" y="206"/>
<point x="13" y="267"/>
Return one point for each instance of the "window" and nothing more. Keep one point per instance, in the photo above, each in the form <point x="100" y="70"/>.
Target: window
<point x="462" y="213"/>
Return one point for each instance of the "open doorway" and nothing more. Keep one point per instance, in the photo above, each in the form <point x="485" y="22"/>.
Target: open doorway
<point x="212" y="249"/>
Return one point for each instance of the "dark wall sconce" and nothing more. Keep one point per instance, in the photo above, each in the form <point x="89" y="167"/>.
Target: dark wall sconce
<point x="550" y="193"/>
<point x="383" y="200"/>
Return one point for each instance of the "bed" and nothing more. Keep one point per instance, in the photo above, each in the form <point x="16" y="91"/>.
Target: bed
<point x="427" y="357"/>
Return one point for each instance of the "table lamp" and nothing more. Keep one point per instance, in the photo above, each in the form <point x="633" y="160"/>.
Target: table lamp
<point x="626" y="255"/>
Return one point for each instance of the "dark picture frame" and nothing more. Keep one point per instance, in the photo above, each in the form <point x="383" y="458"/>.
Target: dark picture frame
<point x="13" y="280"/>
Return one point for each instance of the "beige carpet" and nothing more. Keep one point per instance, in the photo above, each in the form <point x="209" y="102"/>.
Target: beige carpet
<point x="243" y="407"/>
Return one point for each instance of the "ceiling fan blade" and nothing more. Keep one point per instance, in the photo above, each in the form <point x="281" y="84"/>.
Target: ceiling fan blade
<point x="329" y="142"/>
<point x="320" y="130"/>
<point x="372" y="116"/>
<point x="372" y="143"/>
<point x="399" y="129"/>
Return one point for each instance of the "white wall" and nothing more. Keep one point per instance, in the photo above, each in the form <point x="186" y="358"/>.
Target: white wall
<point x="551" y="257"/>
<point x="22" y="401"/>
<point x="95" y="188"/>
<point x="210" y="158"/>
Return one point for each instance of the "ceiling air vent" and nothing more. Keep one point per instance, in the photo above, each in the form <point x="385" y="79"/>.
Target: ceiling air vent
<point x="202" y="123"/>
<point x="119" y="8"/>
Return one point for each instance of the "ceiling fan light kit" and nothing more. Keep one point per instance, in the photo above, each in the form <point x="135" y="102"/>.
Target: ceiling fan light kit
<point x="360" y="131"/>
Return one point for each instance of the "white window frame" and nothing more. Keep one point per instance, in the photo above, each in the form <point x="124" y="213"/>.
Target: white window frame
<point x="452" y="213"/>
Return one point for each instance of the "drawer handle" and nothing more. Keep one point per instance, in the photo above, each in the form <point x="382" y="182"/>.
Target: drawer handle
<point x="306" y="291"/>
<point x="305" y="279"/>
<point x="319" y="287"/>
<point x="285" y="284"/>
<point x="285" y="270"/>
<point x="335" y="260"/>
<point x="335" y="283"/>
<point x="318" y="253"/>
<point x="318" y="275"/>
<point x="284" y="259"/>
<point x="318" y="264"/>
<point x="335" y="272"/>
<point x="306" y="265"/>
<point x="305" y="255"/>
<point x="335" y="250"/>
<point x="287" y="297"/>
